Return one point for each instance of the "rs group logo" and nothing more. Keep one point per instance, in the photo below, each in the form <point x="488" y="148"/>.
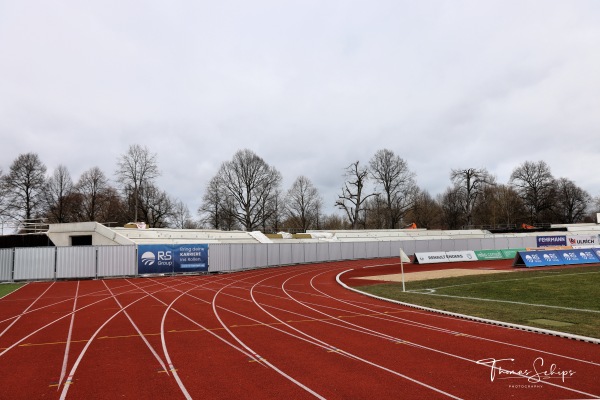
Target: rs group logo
<point x="148" y="258"/>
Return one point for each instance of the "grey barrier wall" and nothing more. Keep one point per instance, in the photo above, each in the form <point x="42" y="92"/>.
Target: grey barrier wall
<point x="6" y="264"/>
<point x="108" y="261"/>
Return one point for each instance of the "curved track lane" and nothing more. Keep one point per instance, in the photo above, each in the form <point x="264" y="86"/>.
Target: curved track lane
<point x="289" y="332"/>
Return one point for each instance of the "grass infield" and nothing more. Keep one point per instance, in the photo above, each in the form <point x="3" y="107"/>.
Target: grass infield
<point x="7" y="288"/>
<point x="565" y="299"/>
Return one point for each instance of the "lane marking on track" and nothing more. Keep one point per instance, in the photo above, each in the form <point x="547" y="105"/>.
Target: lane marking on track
<point x="63" y="370"/>
<point x="26" y="310"/>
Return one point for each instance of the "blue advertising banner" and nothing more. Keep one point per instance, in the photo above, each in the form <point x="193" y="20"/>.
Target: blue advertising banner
<point x="578" y="256"/>
<point x="166" y="258"/>
<point x="543" y="258"/>
<point x="537" y="258"/>
<point x="543" y="241"/>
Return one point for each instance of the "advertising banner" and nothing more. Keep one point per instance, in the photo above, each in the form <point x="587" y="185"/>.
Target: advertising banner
<point x="544" y="241"/>
<point x="510" y="253"/>
<point x="444" y="256"/>
<point x="431" y="257"/>
<point x="578" y="256"/>
<point x="542" y="258"/>
<point x="583" y="240"/>
<point x="487" y="255"/>
<point x="460" y="256"/>
<point x="538" y="258"/>
<point x="166" y="258"/>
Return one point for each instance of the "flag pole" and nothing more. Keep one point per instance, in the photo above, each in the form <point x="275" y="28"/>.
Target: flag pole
<point x="402" y="269"/>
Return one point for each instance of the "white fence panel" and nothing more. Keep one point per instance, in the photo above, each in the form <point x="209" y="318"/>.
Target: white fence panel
<point x="249" y="255"/>
<point x="6" y="264"/>
<point x="76" y="262"/>
<point x="237" y="256"/>
<point x="474" y="244"/>
<point x="297" y="253"/>
<point x="488" y="244"/>
<point x="310" y="252"/>
<point x="274" y="254"/>
<point x="421" y="246"/>
<point x="219" y="257"/>
<point x="373" y="249"/>
<point x="461" y="245"/>
<point x="322" y="252"/>
<point x="285" y="254"/>
<point x="117" y="261"/>
<point x="500" y="243"/>
<point x="409" y="246"/>
<point x="335" y="251"/>
<point x="262" y="255"/>
<point x="444" y="245"/>
<point x="347" y="251"/>
<point x="34" y="263"/>
<point x="359" y="250"/>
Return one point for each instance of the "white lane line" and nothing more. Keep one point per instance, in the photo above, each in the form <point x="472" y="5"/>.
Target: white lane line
<point x="25" y="311"/>
<point x="354" y="356"/>
<point x="69" y="380"/>
<point x="63" y="370"/>
<point x="279" y="371"/>
<point x="137" y="329"/>
<point x="18" y="342"/>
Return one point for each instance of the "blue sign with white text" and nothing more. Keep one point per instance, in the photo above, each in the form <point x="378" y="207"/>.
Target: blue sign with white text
<point x="544" y="241"/>
<point x="166" y="258"/>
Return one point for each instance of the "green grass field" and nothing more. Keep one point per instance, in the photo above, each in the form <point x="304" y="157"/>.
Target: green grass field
<point x="6" y="288"/>
<point x="565" y="300"/>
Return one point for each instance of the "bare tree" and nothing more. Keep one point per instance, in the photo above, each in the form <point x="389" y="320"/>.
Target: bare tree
<point x="571" y="202"/>
<point x="3" y="202"/>
<point x="471" y="182"/>
<point x="426" y="212"/>
<point x="24" y="185"/>
<point x="59" y="197"/>
<point x="535" y="184"/>
<point x="353" y="198"/>
<point x="451" y="203"/>
<point x="181" y="217"/>
<point x="499" y="206"/>
<point x="94" y="188"/>
<point x="136" y="167"/>
<point x="248" y="184"/>
<point x="397" y="182"/>
<point x="302" y="204"/>
<point x="155" y="206"/>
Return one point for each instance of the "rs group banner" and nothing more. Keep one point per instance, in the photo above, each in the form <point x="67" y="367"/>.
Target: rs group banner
<point x="166" y="258"/>
<point x="545" y="241"/>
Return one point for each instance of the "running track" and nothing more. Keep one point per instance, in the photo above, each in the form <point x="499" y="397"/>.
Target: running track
<point x="280" y="333"/>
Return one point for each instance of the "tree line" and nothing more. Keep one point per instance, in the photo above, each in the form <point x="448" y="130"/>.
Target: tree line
<point x="246" y="193"/>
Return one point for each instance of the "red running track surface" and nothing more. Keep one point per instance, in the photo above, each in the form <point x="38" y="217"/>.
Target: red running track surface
<point x="289" y="332"/>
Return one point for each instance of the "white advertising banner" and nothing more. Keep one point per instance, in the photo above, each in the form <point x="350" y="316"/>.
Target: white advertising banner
<point x="431" y="257"/>
<point x="578" y="241"/>
<point x="461" y="256"/>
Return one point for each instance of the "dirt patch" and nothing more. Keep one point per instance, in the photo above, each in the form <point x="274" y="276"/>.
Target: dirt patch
<point x="424" y="275"/>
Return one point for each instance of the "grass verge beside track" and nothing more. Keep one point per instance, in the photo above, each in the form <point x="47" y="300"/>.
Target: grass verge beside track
<point x="566" y="299"/>
<point x="7" y="288"/>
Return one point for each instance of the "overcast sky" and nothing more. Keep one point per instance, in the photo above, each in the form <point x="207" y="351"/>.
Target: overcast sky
<point x="310" y="86"/>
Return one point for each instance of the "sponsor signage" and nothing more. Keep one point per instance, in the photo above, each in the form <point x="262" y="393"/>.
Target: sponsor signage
<point x="583" y="240"/>
<point x="578" y="256"/>
<point x="486" y="255"/>
<point x="431" y="257"/>
<point x="445" y="256"/>
<point x="510" y="253"/>
<point x="545" y="241"/>
<point x="543" y="258"/>
<point x="461" y="256"/>
<point x="178" y="258"/>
